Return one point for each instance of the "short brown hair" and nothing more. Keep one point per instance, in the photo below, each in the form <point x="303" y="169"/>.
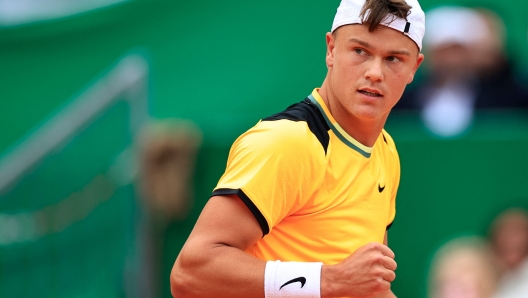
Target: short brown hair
<point x="378" y="10"/>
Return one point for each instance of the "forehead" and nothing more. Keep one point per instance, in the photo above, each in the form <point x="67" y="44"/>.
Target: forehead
<point x="383" y="38"/>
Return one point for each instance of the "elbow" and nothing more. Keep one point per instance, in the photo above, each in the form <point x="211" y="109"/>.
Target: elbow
<point x="184" y="278"/>
<point x="188" y="278"/>
<point x="178" y="284"/>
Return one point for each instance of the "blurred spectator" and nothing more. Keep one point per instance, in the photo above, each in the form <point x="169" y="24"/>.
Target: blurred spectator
<point x="168" y="155"/>
<point x="168" y="152"/>
<point x="509" y="239"/>
<point x="463" y="268"/>
<point x="467" y="68"/>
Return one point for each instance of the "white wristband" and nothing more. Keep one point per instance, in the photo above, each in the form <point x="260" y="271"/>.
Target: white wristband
<point x="292" y="279"/>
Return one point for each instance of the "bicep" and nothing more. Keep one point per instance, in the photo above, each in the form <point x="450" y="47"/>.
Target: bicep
<point x="213" y="258"/>
<point x="226" y="220"/>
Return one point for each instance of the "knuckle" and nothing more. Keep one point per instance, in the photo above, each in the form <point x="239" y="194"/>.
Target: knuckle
<point x="385" y="287"/>
<point x="391" y="277"/>
<point x="371" y="245"/>
<point x="378" y="259"/>
<point x="379" y="284"/>
<point x="377" y="272"/>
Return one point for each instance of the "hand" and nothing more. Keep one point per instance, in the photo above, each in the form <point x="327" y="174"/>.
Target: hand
<point x="368" y="271"/>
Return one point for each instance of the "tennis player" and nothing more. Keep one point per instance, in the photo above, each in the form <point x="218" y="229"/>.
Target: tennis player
<point x="308" y="194"/>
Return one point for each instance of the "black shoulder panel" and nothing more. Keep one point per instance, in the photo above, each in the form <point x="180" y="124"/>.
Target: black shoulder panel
<point x="310" y="113"/>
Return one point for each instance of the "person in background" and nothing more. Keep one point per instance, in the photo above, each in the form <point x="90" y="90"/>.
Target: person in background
<point x="467" y="69"/>
<point x="509" y="240"/>
<point x="463" y="268"/>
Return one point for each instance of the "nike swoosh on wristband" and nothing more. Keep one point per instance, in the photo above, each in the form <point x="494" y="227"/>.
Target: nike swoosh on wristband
<point x="301" y="279"/>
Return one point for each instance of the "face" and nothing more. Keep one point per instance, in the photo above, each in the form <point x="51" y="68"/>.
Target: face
<point x="452" y="62"/>
<point x="368" y="71"/>
<point x="511" y="239"/>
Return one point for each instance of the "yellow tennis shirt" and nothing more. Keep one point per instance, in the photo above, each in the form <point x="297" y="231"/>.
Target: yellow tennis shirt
<point x="317" y="193"/>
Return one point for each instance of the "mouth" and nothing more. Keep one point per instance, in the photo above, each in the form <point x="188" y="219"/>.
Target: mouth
<point x="370" y="92"/>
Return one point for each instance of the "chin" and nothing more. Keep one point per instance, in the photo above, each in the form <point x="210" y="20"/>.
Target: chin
<point x="367" y="113"/>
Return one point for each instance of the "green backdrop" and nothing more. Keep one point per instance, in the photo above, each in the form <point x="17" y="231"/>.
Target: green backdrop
<point x="226" y="64"/>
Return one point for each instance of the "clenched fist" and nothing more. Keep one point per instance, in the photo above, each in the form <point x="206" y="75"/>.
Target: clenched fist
<point x="366" y="272"/>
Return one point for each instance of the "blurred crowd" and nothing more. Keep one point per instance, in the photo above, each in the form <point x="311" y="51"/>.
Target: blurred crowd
<point x="466" y="68"/>
<point x="478" y="267"/>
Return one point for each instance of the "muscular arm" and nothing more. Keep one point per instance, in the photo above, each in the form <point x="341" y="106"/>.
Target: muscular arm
<point x="212" y="263"/>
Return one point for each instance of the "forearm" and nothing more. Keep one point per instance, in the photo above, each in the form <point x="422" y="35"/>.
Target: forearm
<point x="224" y="271"/>
<point x="218" y="271"/>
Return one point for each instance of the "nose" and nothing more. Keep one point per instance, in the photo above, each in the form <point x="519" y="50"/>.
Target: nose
<point x="374" y="70"/>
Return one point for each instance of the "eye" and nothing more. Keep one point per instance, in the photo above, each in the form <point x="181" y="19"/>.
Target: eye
<point x="393" y="59"/>
<point x="360" y="51"/>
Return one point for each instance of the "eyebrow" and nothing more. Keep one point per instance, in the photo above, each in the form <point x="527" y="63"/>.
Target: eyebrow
<point x="363" y="43"/>
<point x="369" y="46"/>
<point x="401" y="52"/>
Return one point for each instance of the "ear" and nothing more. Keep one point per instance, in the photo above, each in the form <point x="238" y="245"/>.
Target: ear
<point x="330" y="45"/>
<point x="419" y="61"/>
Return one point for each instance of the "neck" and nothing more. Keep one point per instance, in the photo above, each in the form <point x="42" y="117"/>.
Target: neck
<point x="365" y="131"/>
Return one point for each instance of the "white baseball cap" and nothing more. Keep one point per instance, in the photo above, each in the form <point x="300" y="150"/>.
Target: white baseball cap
<point x="414" y="27"/>
<point x="465" y="27"/>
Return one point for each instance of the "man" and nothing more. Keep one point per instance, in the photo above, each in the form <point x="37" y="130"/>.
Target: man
<point x="308" y="194"/>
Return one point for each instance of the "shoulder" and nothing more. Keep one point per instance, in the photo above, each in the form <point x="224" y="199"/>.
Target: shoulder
<point x="284" y="138"/>
<point x="301" y="120"/>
